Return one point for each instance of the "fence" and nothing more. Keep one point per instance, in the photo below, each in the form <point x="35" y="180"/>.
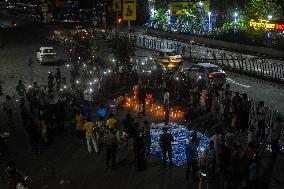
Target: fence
<point x="257" y="67"/>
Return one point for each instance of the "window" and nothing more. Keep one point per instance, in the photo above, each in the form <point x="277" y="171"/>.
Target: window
<point x="214" y="69"/>
<point x="194" y="68"/>
<point x="48" y="51"/>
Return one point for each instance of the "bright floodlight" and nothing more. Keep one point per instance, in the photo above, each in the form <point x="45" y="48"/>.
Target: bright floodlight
<point x="209" y="13"/>
<point x="236" y="14"/>
<point x="269" y="17"/>
<point x="201" y="3"/>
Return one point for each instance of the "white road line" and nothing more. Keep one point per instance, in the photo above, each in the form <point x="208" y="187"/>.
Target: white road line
<point x="236" y="83"/>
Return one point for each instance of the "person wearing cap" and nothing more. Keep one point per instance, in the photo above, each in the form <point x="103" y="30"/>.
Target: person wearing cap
<point x="166" y="140"/>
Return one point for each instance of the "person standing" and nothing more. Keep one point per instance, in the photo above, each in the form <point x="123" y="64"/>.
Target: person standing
<point x="211" y="165"/>
<point x="139" y="151"/>
<point x="191" y="159"/>
<point x="111" y="148"/>
<point x="50" y="82"/>
<point x="42" y="132"/>
<point x="31" y="69"/>
<point x="90" y="135"/>
<point x="245" y="110"/>
<point x="24" y="112"/>
<point x="32" y="96"/>
<point x="252" y="175"/>
<point x="237" y="108"/>
<point x="58" y="78"/>
<point x="129" y="131"/>
<point x="21" y="89"/>
<point x="32" y="132"/>
<point x="147" y="136"/>
<point x="261" y="115"/>
<point x="167" y="106"/>
<point x="80" y="121"/>
<point x="166" y="140"/>
<point x="8" y="107"/>
<point x="227" y="108"/>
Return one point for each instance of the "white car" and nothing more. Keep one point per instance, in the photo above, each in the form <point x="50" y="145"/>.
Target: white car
<point x="206" y="74"/>
<point x="46" y="55"/>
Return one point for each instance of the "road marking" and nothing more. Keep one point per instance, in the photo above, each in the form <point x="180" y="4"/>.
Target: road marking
<point x="236" y="83"/>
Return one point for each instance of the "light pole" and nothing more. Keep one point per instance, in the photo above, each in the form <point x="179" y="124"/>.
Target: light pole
<point x="209" y="20"/>
<point x="235" y="20"/>
<point x="200" y="3"/>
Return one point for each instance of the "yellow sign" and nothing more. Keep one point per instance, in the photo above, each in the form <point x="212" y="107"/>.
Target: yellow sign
<point x="129" y="9"/>
<point x="116" y="6"/>
<point x="262" y="24"/>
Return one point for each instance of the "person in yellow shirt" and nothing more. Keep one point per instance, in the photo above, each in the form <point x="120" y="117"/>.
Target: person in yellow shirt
<point x="111" y="122"/>
<point x="80" y="121"/>
<point x="89" y="127"/>
<point x="42" y="130"/>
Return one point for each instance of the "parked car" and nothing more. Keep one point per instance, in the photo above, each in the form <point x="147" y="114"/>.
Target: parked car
<point x="47" y="55"/>
<point x="168" y="58"/>
<point x="205" y="74"/>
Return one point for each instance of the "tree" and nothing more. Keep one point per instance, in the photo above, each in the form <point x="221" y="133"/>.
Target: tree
<point x="123" y="49"/>
<point x="260" y="9"/>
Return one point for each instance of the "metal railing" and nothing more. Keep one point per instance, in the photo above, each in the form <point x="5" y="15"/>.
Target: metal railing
<point x="256" y="67"/>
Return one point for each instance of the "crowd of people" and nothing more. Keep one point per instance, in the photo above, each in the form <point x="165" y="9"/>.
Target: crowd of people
<point x="101" y="129"/>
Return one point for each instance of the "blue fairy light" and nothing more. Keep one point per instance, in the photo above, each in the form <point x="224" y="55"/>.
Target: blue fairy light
<point x="181" y="135"/>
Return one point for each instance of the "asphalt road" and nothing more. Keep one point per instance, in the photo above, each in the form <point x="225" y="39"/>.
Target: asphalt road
<point x="271" y="93"/>
<point x="20" y="44"/>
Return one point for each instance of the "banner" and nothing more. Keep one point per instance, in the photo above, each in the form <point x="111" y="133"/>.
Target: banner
<point x="129" y="9"/>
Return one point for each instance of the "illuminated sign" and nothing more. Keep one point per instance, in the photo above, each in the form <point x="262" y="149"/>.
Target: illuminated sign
<point x="279" y="26"/>
<point x="266" y="25"/>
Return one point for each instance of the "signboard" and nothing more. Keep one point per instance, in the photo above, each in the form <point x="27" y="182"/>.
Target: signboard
<point x="116" y="6"/>
<point x="181" y="7"/>
<point x="129" y="9"/>
<point x="266" y="25"/>
<point x="44" y="7"/>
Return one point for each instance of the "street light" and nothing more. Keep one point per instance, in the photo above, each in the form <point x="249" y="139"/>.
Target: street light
<point x="201" y="3"/>
<point x="209" y="20"/>
<point x="235" y="19"/>
<point x="269" y="17"/>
